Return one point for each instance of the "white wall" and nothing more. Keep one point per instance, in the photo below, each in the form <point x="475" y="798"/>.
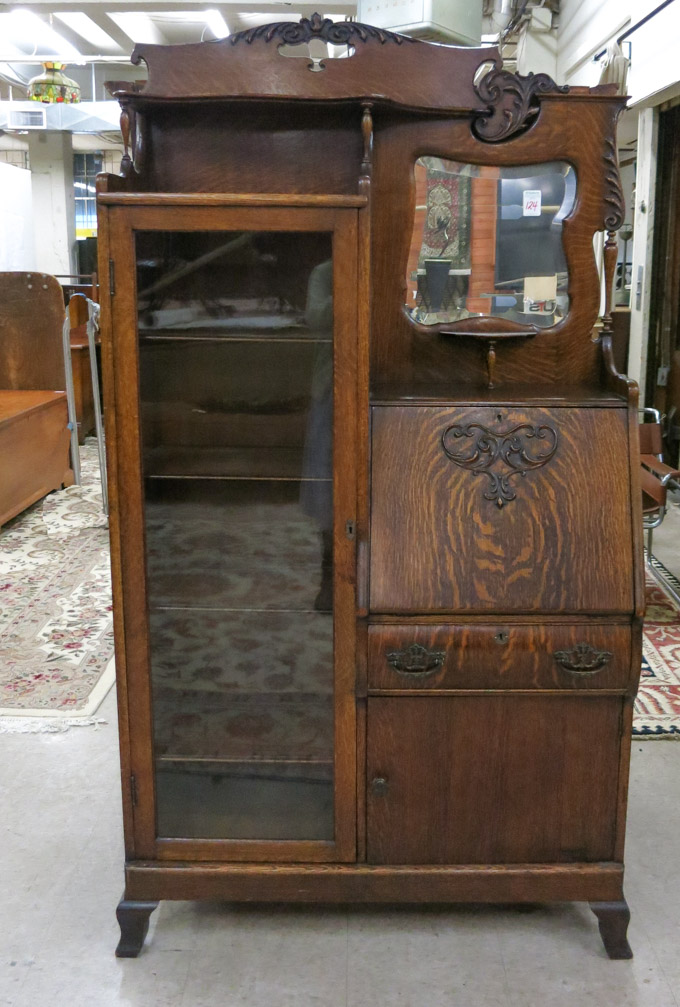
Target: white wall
<point x="655" y="69"/>
<point x="17" y="251"/>
<point x="51" y="161"/>
<point x="643" y="236"/>
<point x="586" y="27"/>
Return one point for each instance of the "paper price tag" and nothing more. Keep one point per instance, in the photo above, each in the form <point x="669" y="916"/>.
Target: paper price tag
<point x="531" y="203"/>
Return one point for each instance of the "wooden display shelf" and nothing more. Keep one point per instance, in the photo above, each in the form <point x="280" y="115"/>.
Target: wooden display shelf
<point x="439" y="394"/>
<point x="223" y="463"/>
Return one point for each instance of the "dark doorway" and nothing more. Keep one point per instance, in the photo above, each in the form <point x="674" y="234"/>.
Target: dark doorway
<point x="663" y="367"/>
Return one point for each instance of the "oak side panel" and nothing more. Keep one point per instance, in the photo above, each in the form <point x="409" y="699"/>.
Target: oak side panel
<point x="128" y="529"/>
<point x="109" y="395"/>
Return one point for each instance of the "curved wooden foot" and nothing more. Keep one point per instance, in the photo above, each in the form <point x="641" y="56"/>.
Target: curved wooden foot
<point x="133" y="918"/>
<point x="613" y="919"/>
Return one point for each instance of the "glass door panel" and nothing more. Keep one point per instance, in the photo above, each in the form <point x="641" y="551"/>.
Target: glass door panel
<point x="236" y="376"/>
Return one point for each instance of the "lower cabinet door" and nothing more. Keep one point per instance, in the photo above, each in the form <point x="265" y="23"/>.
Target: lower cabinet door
<point x="492" y="779"/>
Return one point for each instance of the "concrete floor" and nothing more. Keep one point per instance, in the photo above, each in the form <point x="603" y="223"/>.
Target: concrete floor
<point x="62" y="877"/>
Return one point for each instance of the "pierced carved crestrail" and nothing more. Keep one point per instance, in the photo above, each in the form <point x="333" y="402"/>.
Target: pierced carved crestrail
<point x="492" y="452"/>
<point x="320" y="28"/>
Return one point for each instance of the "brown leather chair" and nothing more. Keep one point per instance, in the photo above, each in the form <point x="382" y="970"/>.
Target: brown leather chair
<point x="655" y="475"/>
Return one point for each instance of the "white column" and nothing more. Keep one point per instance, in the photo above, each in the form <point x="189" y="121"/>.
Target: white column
<point x="51" y="162"/>
<point x="643" y="236"/>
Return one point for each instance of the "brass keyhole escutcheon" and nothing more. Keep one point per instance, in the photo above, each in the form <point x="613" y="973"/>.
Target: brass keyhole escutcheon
<point x="379" y="786"/>
<point x="502" y="637"/>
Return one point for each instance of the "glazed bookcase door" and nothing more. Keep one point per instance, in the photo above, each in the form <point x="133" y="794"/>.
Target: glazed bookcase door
<point x="234" y="356"/>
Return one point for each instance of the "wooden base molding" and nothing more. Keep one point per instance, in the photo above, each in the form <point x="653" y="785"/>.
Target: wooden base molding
<point x="597" y="883"/>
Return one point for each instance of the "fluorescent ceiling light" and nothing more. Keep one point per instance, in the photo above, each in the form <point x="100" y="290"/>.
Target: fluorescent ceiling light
<point x="216" y="23"/>
<point x="8" y="49"/>
<point x="84" y="26"/>
<point x="137" y="25"/>
<point x="34" y="36"/>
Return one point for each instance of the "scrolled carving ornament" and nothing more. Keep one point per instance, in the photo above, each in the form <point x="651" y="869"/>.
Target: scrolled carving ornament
<point x="615" y="207"/>
<point x="317" y="27"/>
<point x="490" y="452"/>
<point x="512" y="101"/>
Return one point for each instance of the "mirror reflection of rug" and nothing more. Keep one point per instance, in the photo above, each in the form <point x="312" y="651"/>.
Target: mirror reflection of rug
<point x="56" y="637"/>
<point x="657" y="707"/>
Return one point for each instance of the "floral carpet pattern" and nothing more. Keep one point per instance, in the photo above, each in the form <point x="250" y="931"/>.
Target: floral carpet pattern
<point x="56" y="636"/>
<point x="657" y="707"/>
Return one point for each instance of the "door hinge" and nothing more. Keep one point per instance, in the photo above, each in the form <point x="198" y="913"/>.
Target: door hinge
<point x="350" y="529"/>
<point x="112" y="277"/>
<point x="133" y="791"/>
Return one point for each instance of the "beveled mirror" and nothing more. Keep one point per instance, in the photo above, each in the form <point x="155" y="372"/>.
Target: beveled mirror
<point x="487" y="241"/>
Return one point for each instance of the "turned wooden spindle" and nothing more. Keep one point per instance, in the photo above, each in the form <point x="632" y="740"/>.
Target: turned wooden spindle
<point x="126" y="160"/>
<point x="367" y="135"/>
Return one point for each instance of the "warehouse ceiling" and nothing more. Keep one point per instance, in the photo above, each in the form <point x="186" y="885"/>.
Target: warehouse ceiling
<point x="108" y="31"/>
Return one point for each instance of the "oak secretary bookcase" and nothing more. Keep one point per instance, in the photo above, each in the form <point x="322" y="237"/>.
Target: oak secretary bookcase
<point x="375" y="527"/>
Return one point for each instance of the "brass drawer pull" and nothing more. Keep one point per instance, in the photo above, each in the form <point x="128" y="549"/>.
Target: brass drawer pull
<point x="416" y="660"/>
<point x="582" y="659"/>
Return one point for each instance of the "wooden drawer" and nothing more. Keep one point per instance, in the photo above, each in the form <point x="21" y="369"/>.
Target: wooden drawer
<point x="501" y="510"/>
<point x="499" y="656"/>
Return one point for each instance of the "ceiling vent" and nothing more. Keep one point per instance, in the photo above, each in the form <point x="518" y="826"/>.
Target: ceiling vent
<point x="30" y="118"/>
<point x="453" y="21"/>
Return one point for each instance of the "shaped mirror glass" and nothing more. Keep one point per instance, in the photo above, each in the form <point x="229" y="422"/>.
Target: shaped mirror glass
<point x="487" y="240"/>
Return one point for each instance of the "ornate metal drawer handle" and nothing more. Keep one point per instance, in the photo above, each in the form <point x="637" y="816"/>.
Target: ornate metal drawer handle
<point x="582" y="659"/>
<point x="416" y="660"/>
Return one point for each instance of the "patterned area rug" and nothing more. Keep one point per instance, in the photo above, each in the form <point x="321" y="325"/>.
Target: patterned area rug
<point x="657" y="707"/>
<point x="56" y="637"/>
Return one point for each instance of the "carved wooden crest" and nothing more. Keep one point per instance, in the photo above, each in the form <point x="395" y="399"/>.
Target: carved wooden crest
<point x="317" y="27"/>
<point x="513" y="102"/>
<point x="493" y="452"/>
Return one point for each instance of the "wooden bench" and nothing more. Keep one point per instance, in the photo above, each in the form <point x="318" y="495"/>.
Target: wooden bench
<point x="80" y="362"/>
<point x="34" y="448"/>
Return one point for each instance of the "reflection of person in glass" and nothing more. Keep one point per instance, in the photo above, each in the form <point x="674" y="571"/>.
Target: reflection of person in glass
<point x="316" y="492"/>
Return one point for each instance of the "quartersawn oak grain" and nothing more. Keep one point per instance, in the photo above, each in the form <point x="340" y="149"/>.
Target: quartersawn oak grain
<point x="492" y="779"/>
<point x="560" y="546"/>
<point x="500" y="656"/>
